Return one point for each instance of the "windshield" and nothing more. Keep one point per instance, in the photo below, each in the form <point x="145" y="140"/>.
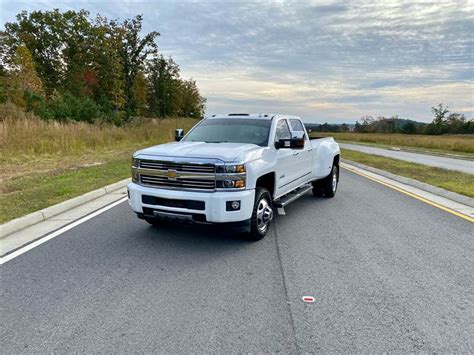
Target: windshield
<point x="232" y="130"/>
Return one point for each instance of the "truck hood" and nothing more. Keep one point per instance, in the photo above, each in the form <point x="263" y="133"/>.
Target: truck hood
<point x="227" y="152"/>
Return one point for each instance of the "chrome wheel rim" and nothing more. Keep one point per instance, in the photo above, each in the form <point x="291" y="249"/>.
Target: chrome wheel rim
<point x="264" y="215"/>
<point x="334" y="180"/>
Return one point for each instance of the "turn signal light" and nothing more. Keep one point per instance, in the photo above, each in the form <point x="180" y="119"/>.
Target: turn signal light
<point x="239" y="184"/>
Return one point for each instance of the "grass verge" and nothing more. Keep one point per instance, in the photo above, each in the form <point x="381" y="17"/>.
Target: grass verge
<point x="454" y="181"/>
<point x="34" y="192"/>
<point x="44" y="163"/>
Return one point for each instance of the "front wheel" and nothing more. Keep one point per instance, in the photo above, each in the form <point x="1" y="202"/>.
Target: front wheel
<point x="262" y="215"/>
<point x="155" y="222"/>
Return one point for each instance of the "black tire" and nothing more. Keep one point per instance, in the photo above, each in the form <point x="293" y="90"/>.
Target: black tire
<point x="262" y="215"/>
<point x="318" y="188"/>
<point x="327" y="187"/>
<point x="155" y="222"/>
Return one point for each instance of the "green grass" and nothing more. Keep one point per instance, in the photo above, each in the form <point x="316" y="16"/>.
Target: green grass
<point x="454" y="181"/>
<point x="34" y="192"/>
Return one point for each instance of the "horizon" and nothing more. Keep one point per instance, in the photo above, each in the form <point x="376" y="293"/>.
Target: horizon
<point x="323" y="61"/>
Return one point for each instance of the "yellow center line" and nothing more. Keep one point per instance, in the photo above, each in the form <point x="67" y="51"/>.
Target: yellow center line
<point x="434" y="204"/>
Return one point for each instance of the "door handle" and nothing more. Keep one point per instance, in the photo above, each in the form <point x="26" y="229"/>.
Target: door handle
<point x="296" y="153"/>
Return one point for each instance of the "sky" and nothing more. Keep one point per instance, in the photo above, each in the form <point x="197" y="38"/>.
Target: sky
<point x="322" y="60"/>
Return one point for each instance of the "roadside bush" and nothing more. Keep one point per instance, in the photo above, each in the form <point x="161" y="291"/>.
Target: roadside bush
<point x="36" y="103"/>
<point x="69" y="107"/>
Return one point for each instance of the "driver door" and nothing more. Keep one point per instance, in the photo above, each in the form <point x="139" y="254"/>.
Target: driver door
<point x="302" y="158"/>
<point x="284" y="173"/>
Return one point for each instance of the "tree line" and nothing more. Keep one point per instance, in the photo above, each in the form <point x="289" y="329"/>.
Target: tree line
<point x="443" y="123"/>
<point x="69" y="66"/>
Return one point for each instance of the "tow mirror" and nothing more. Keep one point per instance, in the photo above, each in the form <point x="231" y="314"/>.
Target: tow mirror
<point x="297" y="142"/>
<point x="178" y="134"/>
<point x="294" y="143"/>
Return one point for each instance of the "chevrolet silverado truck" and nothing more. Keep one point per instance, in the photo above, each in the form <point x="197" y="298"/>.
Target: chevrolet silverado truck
<point x="235" y="169"/>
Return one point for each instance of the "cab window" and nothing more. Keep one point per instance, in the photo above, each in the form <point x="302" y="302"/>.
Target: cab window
<point x="282" y="130"/>
<point x="296" y="125"/>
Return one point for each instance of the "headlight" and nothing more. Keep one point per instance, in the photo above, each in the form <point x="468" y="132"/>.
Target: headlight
<point x="230" y="176"/>
<point x="230" y="184"/>
<point x="235" y="168"/>
<point x="135" y="165"/>
<point x="231" y="168"/>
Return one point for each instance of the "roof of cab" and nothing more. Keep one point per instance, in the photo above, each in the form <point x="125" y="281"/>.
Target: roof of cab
<point x="267" y="116"/>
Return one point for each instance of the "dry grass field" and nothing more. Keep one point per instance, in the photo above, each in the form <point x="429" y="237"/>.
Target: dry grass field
<point x="44" y="163"/>
<point x="446" y="143"/>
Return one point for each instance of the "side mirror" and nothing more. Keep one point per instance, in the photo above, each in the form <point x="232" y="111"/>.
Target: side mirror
<point x="297" y="142"/>
<point x="294" y="143"/>
<point x="178" y="134"/>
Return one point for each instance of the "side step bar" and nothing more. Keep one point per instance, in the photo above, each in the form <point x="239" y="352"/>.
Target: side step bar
<point x="284" y="201"/>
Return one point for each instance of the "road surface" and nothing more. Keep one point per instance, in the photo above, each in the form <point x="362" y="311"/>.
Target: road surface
<point x="466" y="166"/>
<point x="388" y="273"/>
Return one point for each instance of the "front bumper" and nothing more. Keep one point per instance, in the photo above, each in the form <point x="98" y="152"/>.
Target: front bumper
<point x="213" y="211"/>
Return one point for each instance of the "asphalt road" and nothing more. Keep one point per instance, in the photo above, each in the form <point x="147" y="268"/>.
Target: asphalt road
<point x="466" y="166"/>
<point x="388" y="273"/>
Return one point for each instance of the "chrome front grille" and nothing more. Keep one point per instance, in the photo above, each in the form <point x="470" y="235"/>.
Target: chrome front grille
<point x="176" y="175"/>
<point x="185" y="167"/>
<point x="178" y="183"/>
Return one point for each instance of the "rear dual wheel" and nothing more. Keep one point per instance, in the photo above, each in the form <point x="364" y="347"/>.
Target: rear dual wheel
<point x="327" y="187"/>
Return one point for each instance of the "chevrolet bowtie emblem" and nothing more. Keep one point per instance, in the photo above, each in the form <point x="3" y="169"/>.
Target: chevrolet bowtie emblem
<point x="171" y="174"/>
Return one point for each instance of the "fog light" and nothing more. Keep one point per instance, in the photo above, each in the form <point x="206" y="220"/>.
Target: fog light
<point x="232" y="205"/>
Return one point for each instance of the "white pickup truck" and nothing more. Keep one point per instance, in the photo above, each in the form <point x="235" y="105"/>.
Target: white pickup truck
<point x="234" y="168"/>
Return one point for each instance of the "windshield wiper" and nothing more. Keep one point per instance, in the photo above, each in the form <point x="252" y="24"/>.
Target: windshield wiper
<point x="215" y="141"/>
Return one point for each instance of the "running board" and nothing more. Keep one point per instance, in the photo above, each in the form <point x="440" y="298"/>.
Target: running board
<point x="289" y="198"/>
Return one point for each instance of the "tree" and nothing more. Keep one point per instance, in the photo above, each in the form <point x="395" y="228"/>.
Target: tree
<point x="344" y="128"/>
<point x="193" y="104"/>
<point x="53" y="39"/>
<point x="409" y="128"/>
<point x="133" y="53"/>
<point x="357" y="127"/>
<point x="23" y="78"/>
<point x="107" y="64"/>
<point x="440" y="113"/>
<point x="141" y="93"/>
<point x="79" y="68"/>
<point x="164" y="95"/>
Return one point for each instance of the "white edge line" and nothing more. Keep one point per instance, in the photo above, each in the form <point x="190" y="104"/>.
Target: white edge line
<point x="60" y="231"/>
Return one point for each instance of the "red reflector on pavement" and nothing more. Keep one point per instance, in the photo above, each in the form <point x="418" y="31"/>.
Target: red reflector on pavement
<point x="308" y="299"/>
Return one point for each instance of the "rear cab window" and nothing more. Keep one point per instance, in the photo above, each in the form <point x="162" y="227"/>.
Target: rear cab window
<point x="296" y="125"/>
